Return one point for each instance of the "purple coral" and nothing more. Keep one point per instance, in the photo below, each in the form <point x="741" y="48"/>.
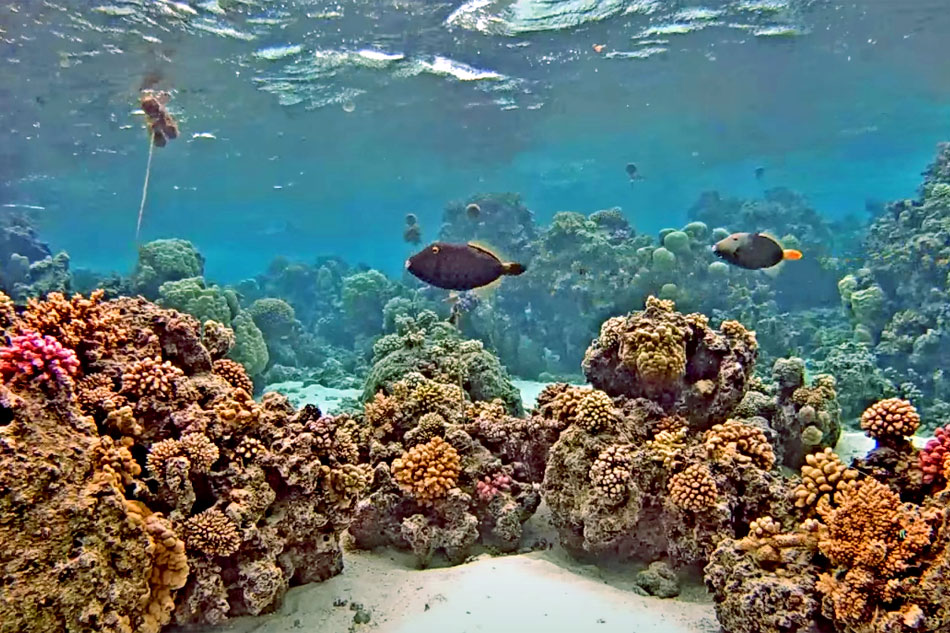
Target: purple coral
<point x="488" y="487"/>
<point x="31" y="356"/>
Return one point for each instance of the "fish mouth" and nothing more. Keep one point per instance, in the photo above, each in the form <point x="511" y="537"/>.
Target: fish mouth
<point x="408" y="264"/>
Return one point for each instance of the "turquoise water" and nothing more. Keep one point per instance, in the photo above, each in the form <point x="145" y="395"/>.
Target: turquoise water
<point x="842" y="101"/>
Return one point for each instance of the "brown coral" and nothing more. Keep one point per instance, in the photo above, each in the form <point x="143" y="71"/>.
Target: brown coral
<point x="234" y="373"/>
<point x="610" y="472"/>
<point x="75" y="320"/>
<point x="213" y="533"/>
<point x="735" y="330"/>
<point x="890" y="418"/>
<point x="823" y="476"/>
<point x="768" y="543"/>
<point x="428" y="471"/>
<point x="430" y="395"/>
<point x="656" y="349"/>
<point x="199" y="450"/>
<point x="739" y="442"/>
<point x="564" y="404"/>
<point x="595" y="412"/>
<point x="694" y="488"/>
<point x="115" y="459"/>
<point x="151" y="377"/>
<point x="159" y="454"/>
<point x="249" y="448"/>
<point x="95" y="393"/>
<point x="217" y="338"/>
<point x="430" y="425"/>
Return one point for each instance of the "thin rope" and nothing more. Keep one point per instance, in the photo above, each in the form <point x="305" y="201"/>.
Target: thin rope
<point x="148" y="171"/>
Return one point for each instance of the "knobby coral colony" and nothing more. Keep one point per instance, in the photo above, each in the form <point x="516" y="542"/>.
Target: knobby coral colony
<point x="142" y="484"/>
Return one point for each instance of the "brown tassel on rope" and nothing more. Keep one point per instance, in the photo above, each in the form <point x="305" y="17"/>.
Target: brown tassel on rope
<point x="161" y="127"/>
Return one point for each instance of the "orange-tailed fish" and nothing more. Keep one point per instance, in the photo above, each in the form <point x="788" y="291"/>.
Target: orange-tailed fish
<point x="753" y="251"/>
<point x="459" y="266"/>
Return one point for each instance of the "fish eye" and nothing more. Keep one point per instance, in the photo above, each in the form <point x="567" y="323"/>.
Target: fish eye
<point x="435" y="250"/>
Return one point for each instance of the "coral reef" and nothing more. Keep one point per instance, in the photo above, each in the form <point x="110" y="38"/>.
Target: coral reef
<point x="165" y="260"/>
<point x="435" y="349"/>
<point x="677" y="360"/>
<point x="153" y="489"/>
<point x="448" y="474"/>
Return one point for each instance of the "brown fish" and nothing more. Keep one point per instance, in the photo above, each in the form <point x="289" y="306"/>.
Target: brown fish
<point x="753" y="251"/>
<point x="459" y="266"/>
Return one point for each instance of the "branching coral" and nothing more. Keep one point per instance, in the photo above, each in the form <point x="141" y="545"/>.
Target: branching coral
<point x="490" y="485"/>
<point x="768" y="544"/>
<point x="693" y="489"/>
<point x="739" y="442"/>
<point x="824" y="477"/>
<point x="33" y="357"/>
<point x="212" y="533"/>
<point x="197" y="447"/>
<point x="115" y="459"/>
<point x="875" y="538"/>
<point x="610" y="473"/>
<point x="237" y="411"/>
<point x="428" y="471"/>
<point x="151" y="377"/>
<point x="234" y="373"/>
<point x="890" y="418"/>
<point x="595" y="412"/>
<point x="74" y="321"/>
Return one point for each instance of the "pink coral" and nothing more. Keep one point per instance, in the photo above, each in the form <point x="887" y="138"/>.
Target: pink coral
<point x="488" y="487"/>
<point x="934" y="454"/>
<point x="41" y="357"/>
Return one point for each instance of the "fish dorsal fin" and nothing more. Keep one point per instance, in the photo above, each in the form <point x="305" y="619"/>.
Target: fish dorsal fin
<point x="770" y="236"/>
<point x="484" y="248"/>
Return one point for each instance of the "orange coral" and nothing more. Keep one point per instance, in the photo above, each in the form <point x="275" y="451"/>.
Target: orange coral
<point x="892" y="417"/>
<point x="234" y="373"/>
<point x="115" y="459"/>
<point x="237" y="411"/>
<point x="694" y="488"/>
<point x="823" y="476"/>
<point x="667" y="446"/>
<point x="72" y="321"/>
<point x="739" y="442"/>
<point x="151" y="377"/>
<point x="428" y="471"/>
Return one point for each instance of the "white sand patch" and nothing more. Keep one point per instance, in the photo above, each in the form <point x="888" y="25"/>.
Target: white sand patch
<point x="327" y="398"/>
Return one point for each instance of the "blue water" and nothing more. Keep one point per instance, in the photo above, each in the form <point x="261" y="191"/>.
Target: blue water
<point x="845" y="105"/>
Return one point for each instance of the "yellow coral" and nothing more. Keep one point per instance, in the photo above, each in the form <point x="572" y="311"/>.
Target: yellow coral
<point x="657" y="352"/>
<point x="151" y="377"/>
<point x="611" y="332"/>
<point x="213" y="533"/>
<point x="739" y="442"/>
<point x="694" y="488"/>
<point x="818" y="395"/>
<point x="735" y="330"/>
<point x="234" y="373"/>
<point x="430" y="395"/>
<point x="892" y="417"/>
<point x="428" y="471"/>
<point x="823" y="476"/>
<point x="563" y="406"/>
<point x="610" y="472"/>
<point x="344" y="484"/>
<point x="595" y="412"/>
<point x="667" y="445"/>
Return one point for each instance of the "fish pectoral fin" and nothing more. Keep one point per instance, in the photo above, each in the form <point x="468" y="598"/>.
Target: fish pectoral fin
<point x="774" y="270"/>
<point x="791" y="253"/>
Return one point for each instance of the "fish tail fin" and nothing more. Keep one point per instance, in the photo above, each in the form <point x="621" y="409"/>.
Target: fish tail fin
<point x="791" y="253"/>
<point x="513" y="268"/>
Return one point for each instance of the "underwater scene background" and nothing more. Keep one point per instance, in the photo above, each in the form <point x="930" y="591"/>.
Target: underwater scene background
<point x="219" y="381"/>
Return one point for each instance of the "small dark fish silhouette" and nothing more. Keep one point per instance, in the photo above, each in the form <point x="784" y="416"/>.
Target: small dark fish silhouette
<point x="411" y="219"/>
<point x="753" y="251"/>
<point x="412" y="234"/>
<point x="473" y="211"/>
<point x="759" y="173"/>
<point x="459" y="266"/>
<point x="632" y="172"/>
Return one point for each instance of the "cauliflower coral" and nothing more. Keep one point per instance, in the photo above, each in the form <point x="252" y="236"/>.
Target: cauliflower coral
<point x="428" y="471"/>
